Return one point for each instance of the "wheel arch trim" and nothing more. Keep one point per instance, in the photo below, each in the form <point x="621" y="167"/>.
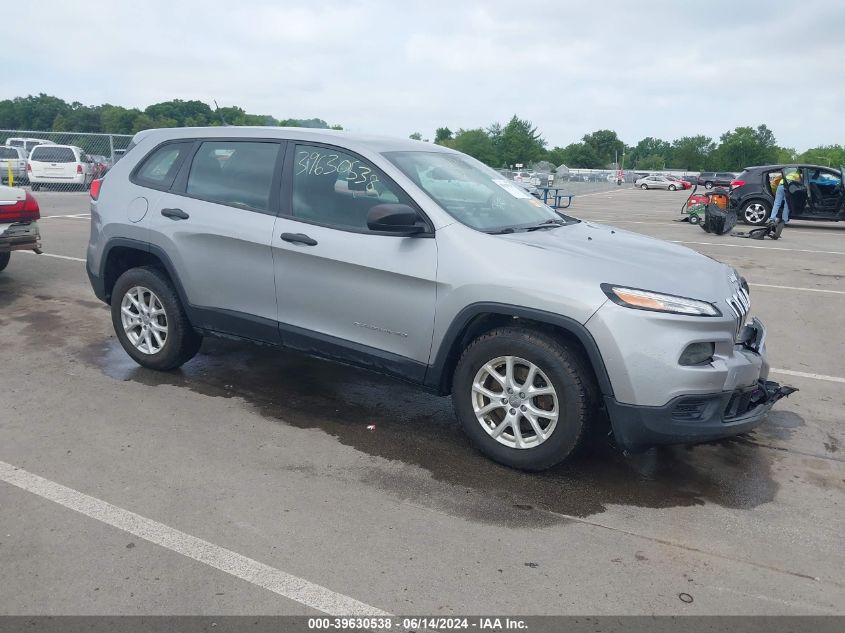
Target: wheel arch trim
<point x="439" y="372"/>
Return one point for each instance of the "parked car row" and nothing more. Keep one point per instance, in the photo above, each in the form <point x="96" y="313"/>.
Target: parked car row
<point x="41" y="162"/>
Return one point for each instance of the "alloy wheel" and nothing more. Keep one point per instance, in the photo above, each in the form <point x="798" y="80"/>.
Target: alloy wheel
<point x="755" y="213"/>
<point x="515" y="402"/>
<point x="144" y="320"/>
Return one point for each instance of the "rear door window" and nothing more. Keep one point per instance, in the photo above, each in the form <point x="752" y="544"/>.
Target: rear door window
<point x="46" y="154"/>
<point x="236" y="173"/>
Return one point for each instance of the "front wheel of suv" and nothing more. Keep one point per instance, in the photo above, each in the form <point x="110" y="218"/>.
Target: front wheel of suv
<point x="523" y="398"/>
<point x="755" y="212"/>
<point x="150" y="322"/>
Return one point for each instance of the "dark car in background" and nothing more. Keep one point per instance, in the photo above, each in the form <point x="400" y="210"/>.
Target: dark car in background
<point x="712" y="179"/>
<point x="812" y="192"/>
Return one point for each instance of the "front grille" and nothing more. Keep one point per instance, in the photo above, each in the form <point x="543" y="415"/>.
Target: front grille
<point x="740" y="304"/>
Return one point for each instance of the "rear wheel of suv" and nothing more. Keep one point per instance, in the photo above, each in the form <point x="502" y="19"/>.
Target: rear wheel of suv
<point x="755" y="212"/>
<point x="523" y="398"/>
<point x="150" y="322"/>
<point x="708" y="184"/>
<point x="4" y="260"/>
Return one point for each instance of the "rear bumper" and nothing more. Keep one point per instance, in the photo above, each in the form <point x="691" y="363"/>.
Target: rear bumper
<point x="24" y="236"/>
<point x="98" y="285"/>
<point x="693" y="418"/>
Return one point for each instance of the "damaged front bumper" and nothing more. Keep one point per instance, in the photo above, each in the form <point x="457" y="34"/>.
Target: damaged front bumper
<point x="20" y="236"/>
<point x="699" y="417"/>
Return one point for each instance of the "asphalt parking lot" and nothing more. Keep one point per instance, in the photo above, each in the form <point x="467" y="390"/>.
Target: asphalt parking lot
<point x="254" y="481"/>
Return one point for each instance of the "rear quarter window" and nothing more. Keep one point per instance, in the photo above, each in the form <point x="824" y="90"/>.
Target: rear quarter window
<point x="159" y="168"/>
<point x="53" y="155"/>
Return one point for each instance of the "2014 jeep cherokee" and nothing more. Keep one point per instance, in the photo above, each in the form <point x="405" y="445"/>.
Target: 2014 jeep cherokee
<point x="420" y="262"/>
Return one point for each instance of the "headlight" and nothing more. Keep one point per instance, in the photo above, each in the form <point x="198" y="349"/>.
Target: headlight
<point x="657" y="302"/>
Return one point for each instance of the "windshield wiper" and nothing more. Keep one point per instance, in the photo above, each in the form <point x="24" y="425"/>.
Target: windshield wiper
<point x="547" y="224"/>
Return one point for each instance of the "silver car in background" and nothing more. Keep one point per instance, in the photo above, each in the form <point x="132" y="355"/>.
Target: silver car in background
<point x="657" y="182"/>
<point x="420" y="262"/>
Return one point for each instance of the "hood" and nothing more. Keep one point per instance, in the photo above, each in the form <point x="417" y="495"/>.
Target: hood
<point x="610" y="255"/>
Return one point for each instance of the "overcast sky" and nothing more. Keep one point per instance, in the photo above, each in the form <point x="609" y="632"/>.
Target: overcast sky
<point x="664" y="69"/>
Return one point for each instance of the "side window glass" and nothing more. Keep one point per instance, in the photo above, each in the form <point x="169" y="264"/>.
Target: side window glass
<point x="236" y="173"/>
<point x="159" y="168"/>
<point x="338" y="189"/>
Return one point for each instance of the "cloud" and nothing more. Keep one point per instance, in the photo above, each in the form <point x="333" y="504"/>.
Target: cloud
<point x="647" y="69"/>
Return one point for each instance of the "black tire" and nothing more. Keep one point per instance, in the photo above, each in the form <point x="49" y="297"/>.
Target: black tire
<point x="708" y="184"/>
<point x="4" y="260"/>
<point x="35" y="186"/>
<point x="643" y="186"/>
<point x="566" y="370"/>
<point x="672" y="187"/>
<point x="694" y="219"/>
<point x="182" y="341"/>
<point x="755" y="212"/>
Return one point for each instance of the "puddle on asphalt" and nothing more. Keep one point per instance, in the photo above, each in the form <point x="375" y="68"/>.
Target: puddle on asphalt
<point x="413" y="427"/>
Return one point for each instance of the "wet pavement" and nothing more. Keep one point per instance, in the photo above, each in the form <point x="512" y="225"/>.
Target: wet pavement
<point x="260" y="450"/>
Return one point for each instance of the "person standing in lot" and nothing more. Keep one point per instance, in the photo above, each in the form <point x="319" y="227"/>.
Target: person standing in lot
<point x="780" y="196"/>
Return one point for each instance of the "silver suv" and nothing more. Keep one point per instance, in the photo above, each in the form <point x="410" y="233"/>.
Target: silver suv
<point x="420" y="262"/>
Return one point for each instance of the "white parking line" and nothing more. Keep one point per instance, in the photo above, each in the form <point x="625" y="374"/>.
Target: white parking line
<point x="801" y="374"/>
<point x="765" y="248"/>
<point x="834" y="292"/>
<point x="71" y="216"/>
<point x="279" y="582"/>
<point x="73" y="259"/>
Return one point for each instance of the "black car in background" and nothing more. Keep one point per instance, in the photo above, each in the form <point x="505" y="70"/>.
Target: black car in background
<point x="712" y="179"/>
<point x="813" y="192"/>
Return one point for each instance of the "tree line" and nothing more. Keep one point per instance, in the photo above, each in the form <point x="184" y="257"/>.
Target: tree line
<point x="520" y="142"/>
<point x="52" y="114"/>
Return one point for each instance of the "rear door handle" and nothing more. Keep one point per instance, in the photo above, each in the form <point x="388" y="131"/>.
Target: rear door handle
<point x="299" y="238"/>
<point x="175" y="214"/>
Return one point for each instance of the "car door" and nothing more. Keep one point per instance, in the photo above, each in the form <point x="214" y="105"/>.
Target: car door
<point x="795" y="191"/>
<point x="215" y="227"/>
<point x="825" y="187"/>
<point x="345" y="291"/>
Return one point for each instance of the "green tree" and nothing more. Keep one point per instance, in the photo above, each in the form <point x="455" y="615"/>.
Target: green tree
<point x="743" y="147"/>
<point x="519" y="142"/>
<point x="606" y="145"/>
<point x="117" y="120"/>
<point x="830" y="155"/>
<point x="652" y="162"/>
<point x="183" y="112"/>
<point x="581" y="155"/>
<point x="415" y="136"/>
<point x="692" y="152"/>
<point x="476" y="143"/>
<point x="442" y="134"/>
<point x="556" y="156"/>
<point x="649" y="146"/>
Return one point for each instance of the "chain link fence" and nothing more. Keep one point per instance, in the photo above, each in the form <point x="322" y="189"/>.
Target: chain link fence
<point x="58" y="160"/>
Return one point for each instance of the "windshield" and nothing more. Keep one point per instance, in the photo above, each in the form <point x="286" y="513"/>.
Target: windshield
<point x="473" y="193"/>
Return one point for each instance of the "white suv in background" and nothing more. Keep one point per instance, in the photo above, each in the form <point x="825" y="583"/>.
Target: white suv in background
<point x="59" y="164"/>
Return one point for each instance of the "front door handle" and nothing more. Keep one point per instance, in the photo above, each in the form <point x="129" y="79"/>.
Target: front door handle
<point x="299" y="238"/>
<point x="175" y="214"/>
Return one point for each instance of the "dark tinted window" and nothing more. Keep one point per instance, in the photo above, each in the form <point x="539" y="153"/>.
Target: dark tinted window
<point x="8" y="152"/>
<point x="338" y="189"/>
<point x="725" y="175"/>
<point x="238" y="173"/>
<point x="47" y="154"/>
<point x="159" y="168"/>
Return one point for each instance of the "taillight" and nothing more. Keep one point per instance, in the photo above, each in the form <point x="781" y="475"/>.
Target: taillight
<point x="78" y="168"/>
<point x="737" y="183"/>
<point x="28" y="167"/>
<point x="95" y="188"/>
<point x="25" y="210"/>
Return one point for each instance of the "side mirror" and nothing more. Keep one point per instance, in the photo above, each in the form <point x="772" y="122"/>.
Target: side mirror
<point x="399" y="219"/>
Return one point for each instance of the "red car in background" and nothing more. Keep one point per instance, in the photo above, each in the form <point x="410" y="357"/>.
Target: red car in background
<point x="686" y="184"/>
